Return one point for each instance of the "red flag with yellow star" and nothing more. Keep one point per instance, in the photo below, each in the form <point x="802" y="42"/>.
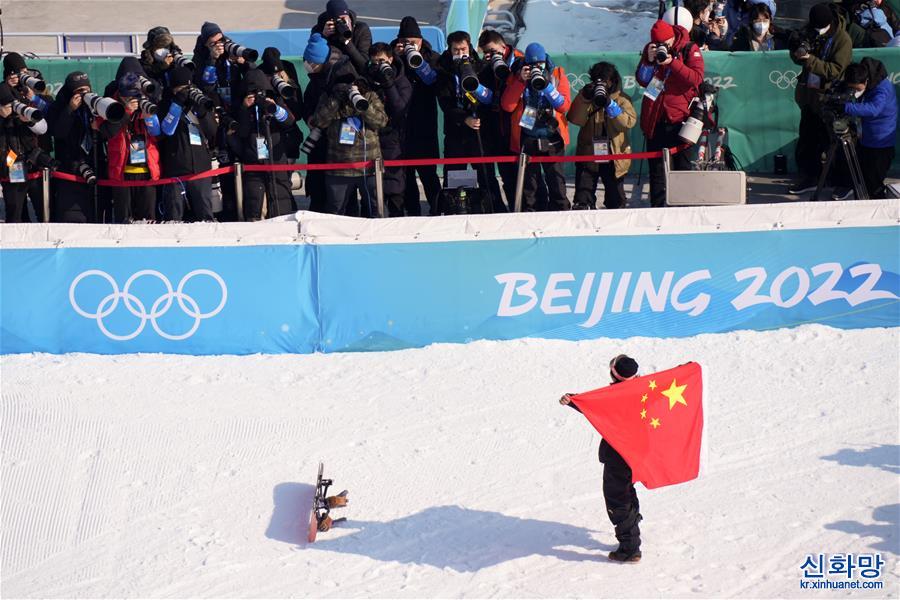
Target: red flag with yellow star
<point x="655" y="422"/>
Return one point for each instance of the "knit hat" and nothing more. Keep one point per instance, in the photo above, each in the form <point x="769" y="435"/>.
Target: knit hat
<point x="207" y="30"/>
<point x="129" y="85"/>
<point x="159" y="37"/>
<point x="820" y="15"/>
<point x="623" y="367"/>
<point x="661" y="31"/>
<point x="179" y="76"/>
<point x="13" y="63"/>
<point x="317" y="50"/>
<point x="6" y="94"/>
<point x="336" y="8"/>
<point x="271" y="61"/>
<point x="535" y="53"/>
<point x="75" y="80"/>
<point x="409" y="28"/>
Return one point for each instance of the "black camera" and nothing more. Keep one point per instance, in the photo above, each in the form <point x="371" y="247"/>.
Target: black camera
<point x="833" y="103"/>
<point x="35" y="83"/>
<point x="315" y="134"/>
<point x="499" y="66"/>
<point x="260" y="102"/>
<point x="414" y="58"/>
<point x="235" y="50"/>
<point x="466" y="71"/>
<point x="384" y="70"/>
<point x="538" y="79"/>
<point x="38" y="159"/>
<point x="342" y="29"/>
<point x="358" y="101"/>
<point x="87" y="173"/>
<point x="199" y="99"/>
<point x="600" y="95"/>
<point x="147" y="107"/>
<point x="285" y="89"/>
<point x="146" y="85"/>
<point x="27" y="112"/>
<point x="662" y="53"/>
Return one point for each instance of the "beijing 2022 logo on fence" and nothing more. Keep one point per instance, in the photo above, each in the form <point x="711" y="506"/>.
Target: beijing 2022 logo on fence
<point x="159" y="307"/>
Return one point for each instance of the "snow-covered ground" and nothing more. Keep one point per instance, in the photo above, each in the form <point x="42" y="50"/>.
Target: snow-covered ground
<point x="569" y="26"/>
<point x="175" y="476"/>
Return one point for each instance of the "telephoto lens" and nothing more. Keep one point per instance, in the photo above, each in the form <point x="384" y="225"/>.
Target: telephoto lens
<point x="87" y="173"/>
<point x="537" y="81"/>
<point x="662" y="54"/>
<point x="413" y="57"/>
<point x="385" y="70"/>
<point x="200" y="99"/>
<point x="147" y="107"/>
<point x="285" y="89"/>
<point x="259" y="101"/>
<point x="467" y="77"/>
<point x="146" y="85"/>
<point x="105" y="108"/>
<point x="600" y="97"/>
<point x="315" y="134"/>
<point x="342" y="29"/>
<point x="237" y="51"/>
<point x="35" y="83"/>
<point x="499" y="66"/>
<point x="693" y="126"/>
<point x="358" y="101"/>
<point x="27" y="112"/>
<point x="179" y="60"/>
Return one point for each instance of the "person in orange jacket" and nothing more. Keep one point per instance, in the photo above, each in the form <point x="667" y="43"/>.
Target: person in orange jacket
<point x="537" y="96"/>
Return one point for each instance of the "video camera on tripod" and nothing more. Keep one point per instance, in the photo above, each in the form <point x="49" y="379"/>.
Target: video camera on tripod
<point x="833" y="103"/>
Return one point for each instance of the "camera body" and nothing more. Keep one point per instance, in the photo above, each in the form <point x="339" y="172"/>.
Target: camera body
<point x="662" y="53"/>
<point x="39" y="159"/>
<point x="342" y="29"/>
<point x="833" y="103"/>
<point x="266" y="108"/>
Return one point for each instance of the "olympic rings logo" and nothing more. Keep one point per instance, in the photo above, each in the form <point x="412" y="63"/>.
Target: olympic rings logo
<point x="785" y="80"/>
<point x="159" y="308"/>
<point x="578" y="80"/>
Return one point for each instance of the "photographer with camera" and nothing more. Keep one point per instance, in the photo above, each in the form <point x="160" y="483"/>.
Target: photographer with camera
<point x="537" y="96"/>
<point x="345" y="33"/>
<point x="132" y="150"/>
<point x="350" y="115"/>
<point x="220" y="65"/>
<point x="465" y="100"/>
<point x="159" y="55"/>
<point x="760" y="34"/>
<point x="605" y="116"/>
<point x="263" y="118"/>
<point x="495" y="127"/>
<point x="876" y="107"/>
<point x="387" y="76"/>
<point x="286" y="85"/>
<point x="20" y="126"/>
<point x="189" y="130"/>
<point x="671" y="69"/>
<point x="78" y="150"/>
<point x="823" y="50"/>
<point x="421" y="140"/>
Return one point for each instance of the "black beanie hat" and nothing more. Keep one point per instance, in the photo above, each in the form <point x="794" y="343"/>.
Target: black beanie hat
<point x="179" y="76"/>
<point x="6" y="94"/>
<point x="820" y="15"/>
<point x="207" y="30"/>
<point x="271" y="61"/>
<point x="623" y="367"/>
<point x="75" y="80"/>
<point x="13" y="63"/>
<point x="409" y="28"/>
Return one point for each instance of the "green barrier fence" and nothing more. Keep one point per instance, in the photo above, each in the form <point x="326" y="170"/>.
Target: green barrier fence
<point x="756" y="101"/>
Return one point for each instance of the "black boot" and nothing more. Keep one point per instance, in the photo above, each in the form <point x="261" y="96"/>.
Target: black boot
<point x="624" y="556"/>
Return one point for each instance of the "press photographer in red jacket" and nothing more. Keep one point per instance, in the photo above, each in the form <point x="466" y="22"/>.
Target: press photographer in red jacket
<point x="132" y="152"/>
<point x="671" y="70"/>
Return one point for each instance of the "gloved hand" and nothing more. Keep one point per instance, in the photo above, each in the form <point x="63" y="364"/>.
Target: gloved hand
<point x="613" y="110"/>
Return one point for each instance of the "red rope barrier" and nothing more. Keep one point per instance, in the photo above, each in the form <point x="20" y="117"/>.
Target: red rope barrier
<point x="29" y="177"/>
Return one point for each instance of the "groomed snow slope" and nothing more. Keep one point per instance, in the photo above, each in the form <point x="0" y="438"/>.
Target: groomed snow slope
<point x="174" y="476"/>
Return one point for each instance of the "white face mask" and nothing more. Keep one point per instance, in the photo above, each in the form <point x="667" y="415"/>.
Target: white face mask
<point x="859" y="93"/>
<point x="760" y="28"/>
<point x="823" y="31"/>
<point x="160" y="54"/>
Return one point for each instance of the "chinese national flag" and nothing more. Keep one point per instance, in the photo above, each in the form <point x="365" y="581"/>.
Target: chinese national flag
<point x="655" y="422"/>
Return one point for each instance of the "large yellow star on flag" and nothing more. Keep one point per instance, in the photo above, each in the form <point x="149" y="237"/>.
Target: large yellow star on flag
<point x="674" y="394"/>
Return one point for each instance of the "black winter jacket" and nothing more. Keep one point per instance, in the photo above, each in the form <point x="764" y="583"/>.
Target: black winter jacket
<point x="251" y="123"/>
<point x="358" y="47"/>
<point x="177" y="155"/>
<point x="395" y="95"/>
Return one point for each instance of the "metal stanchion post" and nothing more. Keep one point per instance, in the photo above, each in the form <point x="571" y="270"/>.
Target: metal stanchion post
<point x="45" y="183"/>
<point x="666" y="158"/>
<point x="239" y="190"/>
<point x="379" y="186"/>
<point x="520" y="180"/>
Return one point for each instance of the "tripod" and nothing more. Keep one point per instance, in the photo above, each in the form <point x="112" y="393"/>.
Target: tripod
<point x="844" y="139"/>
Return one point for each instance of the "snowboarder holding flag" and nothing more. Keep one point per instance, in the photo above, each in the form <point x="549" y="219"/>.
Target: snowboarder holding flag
<point x="651" y="433"/>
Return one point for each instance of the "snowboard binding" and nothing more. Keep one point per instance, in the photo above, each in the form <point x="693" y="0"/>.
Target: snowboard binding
<point x="325" y="503"/>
